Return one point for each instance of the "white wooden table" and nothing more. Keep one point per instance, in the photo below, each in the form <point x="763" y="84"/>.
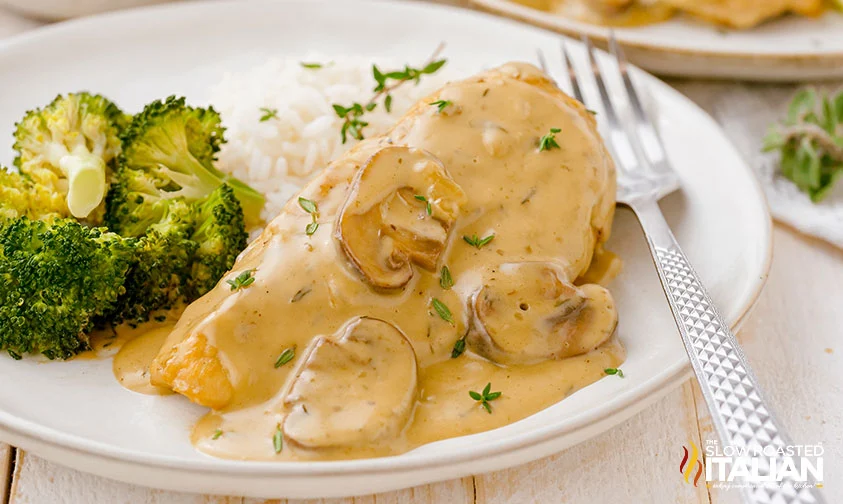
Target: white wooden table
<point x="792" y="339"/>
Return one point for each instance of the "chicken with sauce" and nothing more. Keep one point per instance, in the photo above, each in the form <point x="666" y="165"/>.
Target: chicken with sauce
<point x="445" y="256"/>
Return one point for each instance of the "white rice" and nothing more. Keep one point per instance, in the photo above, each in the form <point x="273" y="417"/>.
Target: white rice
<point x="278" y="156"/>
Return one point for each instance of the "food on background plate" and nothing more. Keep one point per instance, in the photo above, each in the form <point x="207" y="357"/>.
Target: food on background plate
<point x="810" y="142"/>
<point x="738" y="14"/>
<point x="416" y="289"/>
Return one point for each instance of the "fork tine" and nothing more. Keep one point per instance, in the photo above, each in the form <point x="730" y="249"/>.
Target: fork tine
<point x="618" y="141"/>
<point x="601" y="85"/>
<point x="542" y="62"/>
<point x="645" y="135"/>
<point x="572" y="74"/>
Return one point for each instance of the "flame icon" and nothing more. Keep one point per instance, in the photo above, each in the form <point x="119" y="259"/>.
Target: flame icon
<point x="690" y="461"/>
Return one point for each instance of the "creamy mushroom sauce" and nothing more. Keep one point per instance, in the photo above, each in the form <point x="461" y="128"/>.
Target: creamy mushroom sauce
<point x="373" y="372"/>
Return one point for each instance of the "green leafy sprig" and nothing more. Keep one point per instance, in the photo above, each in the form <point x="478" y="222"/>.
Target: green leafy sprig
<point x="441" y="105"/>
<point x="286" y="356"/>
<point x="477" y="242"/>
<point x="268" y="113"/>
<point x="443" y="311"/>
<point x="242" y="280"/>
<point x="310" y="207"/>
<point x="810" y="142"/>
<point x="385" y="84"/>
<point x="459" y="347"/>
<point x="548" y="141"/>
<point x="485" y="397"/>
<point x="614" y="371"/>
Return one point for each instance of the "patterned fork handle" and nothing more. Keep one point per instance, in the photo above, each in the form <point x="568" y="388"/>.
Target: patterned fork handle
<point x="731" y="391"/>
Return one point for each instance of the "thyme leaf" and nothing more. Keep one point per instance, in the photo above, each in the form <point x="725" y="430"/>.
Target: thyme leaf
<point x="242" y="280"/>
<point x="548" y="141"/>
<point x="485" y="397"/>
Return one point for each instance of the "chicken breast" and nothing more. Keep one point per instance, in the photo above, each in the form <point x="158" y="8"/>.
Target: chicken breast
<point x="499" y="168"/>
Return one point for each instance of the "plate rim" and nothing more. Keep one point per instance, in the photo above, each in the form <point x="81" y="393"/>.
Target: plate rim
<point x="622" y="407"/>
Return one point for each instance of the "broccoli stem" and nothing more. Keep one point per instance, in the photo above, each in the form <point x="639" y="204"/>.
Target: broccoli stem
<point x="197" y="181"/>
<point x="85" y="174"/>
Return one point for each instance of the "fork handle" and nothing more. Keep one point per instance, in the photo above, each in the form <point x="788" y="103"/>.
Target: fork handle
<point x="739" y="412"/>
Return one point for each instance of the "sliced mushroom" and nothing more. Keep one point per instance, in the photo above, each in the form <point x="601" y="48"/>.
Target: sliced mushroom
<point x="400" y="208"/>
<point x="527" y="312"/>
<point x="355" y="388"/>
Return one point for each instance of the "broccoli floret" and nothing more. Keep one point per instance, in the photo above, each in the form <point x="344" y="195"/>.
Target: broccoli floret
<point x="168" y="152"/>
<point x="160" y="272"/>
<point x="182" y="256"/>
<point x="221" y="235"/>
<point x="57" y="278"/>
<point x="69" y="145"/>
<point x="20" y="197"/>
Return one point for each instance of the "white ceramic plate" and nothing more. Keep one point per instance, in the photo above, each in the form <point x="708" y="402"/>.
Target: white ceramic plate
<point x="76" y="414"/>
<point x="788" y="49"/>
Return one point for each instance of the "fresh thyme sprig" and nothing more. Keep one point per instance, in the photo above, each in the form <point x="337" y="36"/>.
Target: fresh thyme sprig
<point x="242" y="280"/>
<point x="268" y="113"/>
<point x="446" y="281"/>
<point x="427" y="207"/>
<point x="286" y="356"/>
<point x="485" y="397"/>
<point x="810" y="142"/>
<point x="548" y="141"/>
<point x="386" y="83"/>
<point x="443" y="311"/>
<point x="459" y="346"/>
<point x="614" y="371"/>
<point x="478" y="242"/>
<point x="310" y="207"/>
<point x="440" y="104"/>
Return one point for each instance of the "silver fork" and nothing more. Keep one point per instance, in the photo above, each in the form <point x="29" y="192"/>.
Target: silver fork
<point x="739" y="412"/>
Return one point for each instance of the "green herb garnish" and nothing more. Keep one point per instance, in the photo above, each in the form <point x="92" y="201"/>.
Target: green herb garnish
<point x="459" y="348"/>
<point x="441" y="104"/>
<point x="614" y="371"/>
<point x="311" y="66"/>
<point x="443" y="311"/>
<point x="484" y="397"/>
<point x="217" y="434"/>
<point x="352" y="124"/>
<point x="286" y="356"/>
<point x="810" y="142"/>
<point x="385" y="83"/>
<point x="278" y="440"/>
<point x="548" y="141"/>
<point x="478" y="242"/>
<point x="309" y="206"/>
<point x="446" y="281"/>
<point x="242" y="280"/>
<point x="428" y="207"/>
<point x="268" y="113"/>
